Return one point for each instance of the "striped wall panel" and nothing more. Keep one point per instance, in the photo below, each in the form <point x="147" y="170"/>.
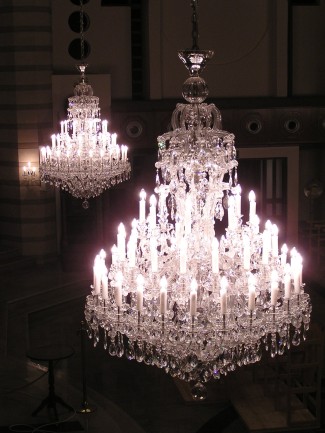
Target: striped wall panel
<point x="27" y="211"/>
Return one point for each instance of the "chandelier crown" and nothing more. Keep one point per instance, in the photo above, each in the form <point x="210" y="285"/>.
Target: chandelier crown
<point x="83" y="88"/>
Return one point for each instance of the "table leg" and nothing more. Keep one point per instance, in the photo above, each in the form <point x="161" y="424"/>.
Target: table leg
<point x="51" y="400"/>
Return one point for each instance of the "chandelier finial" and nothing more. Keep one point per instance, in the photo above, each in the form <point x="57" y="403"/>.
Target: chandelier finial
<point x="195" y="89"/>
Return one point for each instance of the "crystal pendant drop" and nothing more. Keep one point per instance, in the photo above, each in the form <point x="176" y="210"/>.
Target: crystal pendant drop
<point x="85" y="204"/>
<point x="199" y="392"/>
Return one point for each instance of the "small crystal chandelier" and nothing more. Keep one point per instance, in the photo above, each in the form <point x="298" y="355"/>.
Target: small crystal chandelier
<point x="174" y="295"/>
<point x="84" y="158"/>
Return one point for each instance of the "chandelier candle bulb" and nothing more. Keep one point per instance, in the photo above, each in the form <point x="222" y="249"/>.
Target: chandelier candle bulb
<point x="283" y="257"/>
<point x="297" y="271"/>
<point x="256" y="224"/>
<point x="97" y="275"/>
<point x="238" y="201"/>
<point x="142" y="206"/>
<point x="287" y="283"/>
<point x="162" y="199"/>
<point x="114" y="251"/>
<point x="163" y="295"/>
<point x="265" y="248"/>
<point x="251" y="298"/>
<point x="300" y="269"/>
<point x="102" y="256"/>
<point x="223" y="300"/>
<point x="152" y="211"/>
<point x="193" y="298"/>
<point x="134" y="231"/>
<point x="121" y="235"/>
<point x="105" y="284"/>
<point x="124" y="152"/>
<point x="267" y="242"/>
<point x="231" y="213"/>
<point x="215" y="255"/>
<point x="274" y="241"/>
<point x="104" y="126"/>
<point x="268" y="228"/>
<point x="131" y="251"/>
<point x="252" y="206"/>
<point x="293" y="258"/>
<point x="43" y="154"/>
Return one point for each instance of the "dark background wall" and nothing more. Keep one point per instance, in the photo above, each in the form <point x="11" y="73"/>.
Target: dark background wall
<point x="266" y="77"/>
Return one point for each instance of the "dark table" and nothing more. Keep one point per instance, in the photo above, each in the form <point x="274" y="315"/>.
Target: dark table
<point x="51" y="354"/>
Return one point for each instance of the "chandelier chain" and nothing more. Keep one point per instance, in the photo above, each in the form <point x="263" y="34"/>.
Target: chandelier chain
<point x="195" y="26"/>
<point x="82" y="40"/>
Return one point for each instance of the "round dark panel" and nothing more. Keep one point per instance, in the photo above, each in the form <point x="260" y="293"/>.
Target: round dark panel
<point x="292" y="125"/>
<point x="254" y="126"/>
<point x="134" y="129"/>
<point x="74" y="49"/>
<point x="74" y="22"/>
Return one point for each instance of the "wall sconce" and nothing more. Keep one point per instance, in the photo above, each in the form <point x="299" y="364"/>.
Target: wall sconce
<point x="29" y="174"/>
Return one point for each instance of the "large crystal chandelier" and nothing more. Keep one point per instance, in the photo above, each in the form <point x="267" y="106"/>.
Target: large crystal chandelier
<point x="174" y="295"/>
<point x="84" y="158"/>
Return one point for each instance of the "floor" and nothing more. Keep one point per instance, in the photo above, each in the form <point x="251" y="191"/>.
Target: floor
<point x="45" y="304"/>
